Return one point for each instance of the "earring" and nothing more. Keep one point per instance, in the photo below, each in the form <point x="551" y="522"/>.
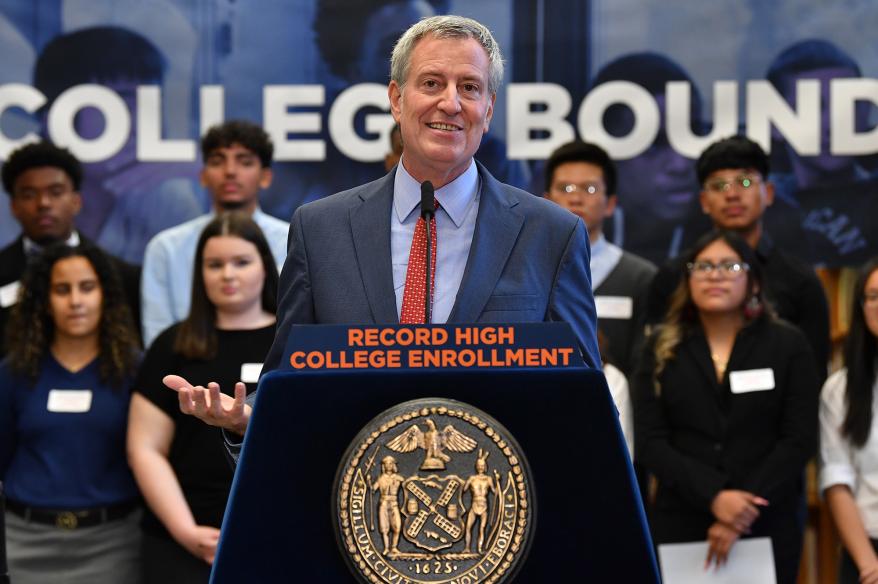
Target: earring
<point x="753" y="308"/>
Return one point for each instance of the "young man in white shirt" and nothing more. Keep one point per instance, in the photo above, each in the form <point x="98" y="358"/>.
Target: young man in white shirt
<point x="237" y="167"/>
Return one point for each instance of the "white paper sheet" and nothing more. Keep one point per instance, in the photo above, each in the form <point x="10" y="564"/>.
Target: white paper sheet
<point x="751" y="561"/>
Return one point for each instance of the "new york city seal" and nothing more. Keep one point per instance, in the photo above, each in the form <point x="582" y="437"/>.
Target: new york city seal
<point x="434" y="491"/>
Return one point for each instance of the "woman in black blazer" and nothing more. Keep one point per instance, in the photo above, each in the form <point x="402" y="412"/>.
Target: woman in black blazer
<point x="725" y="409"/>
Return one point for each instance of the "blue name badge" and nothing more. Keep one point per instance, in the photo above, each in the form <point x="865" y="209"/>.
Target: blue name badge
<point x="446" y="346"/>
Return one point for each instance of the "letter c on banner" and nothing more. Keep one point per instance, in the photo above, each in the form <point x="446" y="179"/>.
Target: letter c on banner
<point x="28" y="99"/>
<point x="117" y="122"/>
<point x="647" y="119"/>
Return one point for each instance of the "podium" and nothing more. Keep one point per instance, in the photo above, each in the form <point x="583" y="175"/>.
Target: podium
<point x="4" y="570"/>
<point x="589" y="524"/>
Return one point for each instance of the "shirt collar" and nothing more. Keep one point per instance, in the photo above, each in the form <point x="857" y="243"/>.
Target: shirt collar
<point x="31" y="247"/>
<point x="455" y="197"/>
<point x="257" y="213"/>
<point x="600" y="246"/>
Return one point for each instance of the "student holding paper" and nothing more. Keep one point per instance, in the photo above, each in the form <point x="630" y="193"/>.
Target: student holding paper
<point x="849" y="444"/>
<point x="725" y="410"/>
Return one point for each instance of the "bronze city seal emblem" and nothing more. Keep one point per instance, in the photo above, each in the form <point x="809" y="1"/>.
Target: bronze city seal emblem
<point x="434" y="491"/>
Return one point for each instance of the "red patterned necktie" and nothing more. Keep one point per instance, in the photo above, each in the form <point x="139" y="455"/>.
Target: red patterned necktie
<point x="415" y="277"/>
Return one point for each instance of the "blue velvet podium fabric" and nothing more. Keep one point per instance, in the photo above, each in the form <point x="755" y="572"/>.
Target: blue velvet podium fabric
<point x="590" y="525"/>
<point x="4" y="569"/>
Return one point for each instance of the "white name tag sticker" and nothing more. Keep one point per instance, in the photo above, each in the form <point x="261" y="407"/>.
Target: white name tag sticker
<point x="69" y="401"/>
<point x="9" y="294"/>
<point x="620" y="307"/>
<point x="751" y="380"/>
<point x="250" y="372"/>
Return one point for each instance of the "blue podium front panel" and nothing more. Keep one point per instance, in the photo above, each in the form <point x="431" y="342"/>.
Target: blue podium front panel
<point x="589" y="522"/>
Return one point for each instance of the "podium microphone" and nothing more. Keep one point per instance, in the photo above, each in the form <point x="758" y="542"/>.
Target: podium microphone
<point x="428" y="210"/>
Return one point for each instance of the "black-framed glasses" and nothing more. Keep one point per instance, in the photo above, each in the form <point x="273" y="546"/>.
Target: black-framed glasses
<point x="720" y="185"/>
<point x="728" y="270"/>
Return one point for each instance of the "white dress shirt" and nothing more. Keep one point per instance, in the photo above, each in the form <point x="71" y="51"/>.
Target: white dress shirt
<point x="31" y="247"/>
<point x="621" y="395"/>
<point x="841" y="463"/>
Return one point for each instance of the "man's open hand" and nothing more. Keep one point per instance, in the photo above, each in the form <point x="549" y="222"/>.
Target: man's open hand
<point x="210" y="405"/>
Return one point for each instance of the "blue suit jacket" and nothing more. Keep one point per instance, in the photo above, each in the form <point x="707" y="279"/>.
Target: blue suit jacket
<point x="529" y="262"/>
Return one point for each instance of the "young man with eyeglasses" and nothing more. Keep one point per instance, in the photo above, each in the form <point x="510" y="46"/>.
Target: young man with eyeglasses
<point x="581" y="177"/>
<point x="735" y="195"/>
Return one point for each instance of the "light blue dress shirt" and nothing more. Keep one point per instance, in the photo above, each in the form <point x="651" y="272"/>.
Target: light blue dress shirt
<point x="604" y="258"/>
<point x="166" y="280"/>
<point x="455" y="225"/>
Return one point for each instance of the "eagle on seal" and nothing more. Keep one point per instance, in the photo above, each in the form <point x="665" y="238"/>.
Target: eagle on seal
<point x="433" y="442"/>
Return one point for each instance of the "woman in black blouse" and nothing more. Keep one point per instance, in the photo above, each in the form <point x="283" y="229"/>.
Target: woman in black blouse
<point x="179" y="462"/>
<point x="725" y="409"/>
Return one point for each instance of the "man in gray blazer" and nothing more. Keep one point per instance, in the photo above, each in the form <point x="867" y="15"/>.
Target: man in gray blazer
<point x="582" y="178"/>
<point x="503" y="255"/>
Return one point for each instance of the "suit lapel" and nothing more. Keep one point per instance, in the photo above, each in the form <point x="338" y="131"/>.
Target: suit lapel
<point x="700" y="353"/>
<point x="745" y="342"/>
<point x="370" y="226"/>
<point x="12" y="262"/>
<point x="497" y="227"/>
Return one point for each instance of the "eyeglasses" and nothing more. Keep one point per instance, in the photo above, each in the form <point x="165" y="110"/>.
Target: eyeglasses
<point x="745" y="182"/>
<point x="585" y="189"/>
<point x="727" y="270"/>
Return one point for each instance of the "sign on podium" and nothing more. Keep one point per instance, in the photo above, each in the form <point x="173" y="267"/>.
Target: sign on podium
<point x="450" y="454"/>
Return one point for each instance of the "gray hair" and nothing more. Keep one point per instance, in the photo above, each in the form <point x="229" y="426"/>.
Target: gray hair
<point x="446" y="27"/>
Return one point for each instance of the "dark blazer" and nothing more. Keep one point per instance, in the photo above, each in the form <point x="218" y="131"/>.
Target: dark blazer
<point x="630" y="278"/>
<point x="13" y="263"/>
<point x="698" y="437"/>
<point x="529" y="262"/>
<point x="791" y="286"/>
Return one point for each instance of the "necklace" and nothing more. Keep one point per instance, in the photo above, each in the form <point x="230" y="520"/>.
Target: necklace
<point x="719" y="363"/>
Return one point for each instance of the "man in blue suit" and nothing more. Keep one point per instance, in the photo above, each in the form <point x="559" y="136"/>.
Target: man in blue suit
<point x="502" y="255"/>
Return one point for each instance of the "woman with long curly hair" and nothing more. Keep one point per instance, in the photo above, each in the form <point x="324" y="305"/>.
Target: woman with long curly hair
<point x="64" y="394"/>
<point x="179" y="461"/>
<point x="725" y="410"/>
<point x="848" y="439"/>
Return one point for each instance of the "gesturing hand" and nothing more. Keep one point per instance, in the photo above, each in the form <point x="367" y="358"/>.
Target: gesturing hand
<point x="210" y="405"/>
